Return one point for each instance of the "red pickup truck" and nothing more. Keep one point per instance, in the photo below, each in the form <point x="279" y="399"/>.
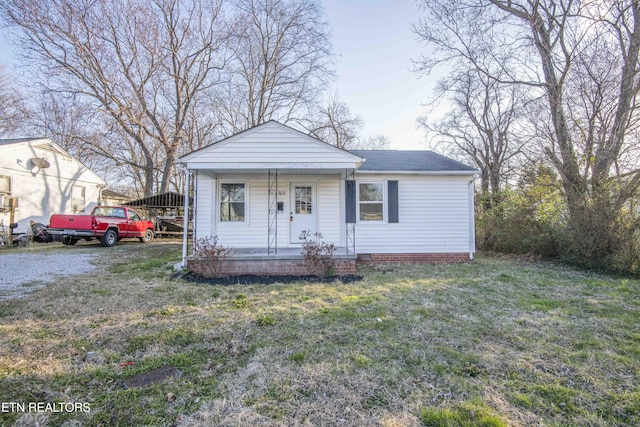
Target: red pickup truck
<point x="107" y="223"/>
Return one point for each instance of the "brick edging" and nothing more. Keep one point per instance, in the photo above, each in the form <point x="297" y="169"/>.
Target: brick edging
<point x="235" y="267"/>
<point x="430" y="258"/>
<point x="270" y="267"/>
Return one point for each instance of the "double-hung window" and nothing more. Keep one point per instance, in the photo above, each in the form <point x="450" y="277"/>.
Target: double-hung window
<point x="5" y="190"/>
<point x="77" y="198"/>
<point x="371" y="201"/>
<point x="232" y="202"/>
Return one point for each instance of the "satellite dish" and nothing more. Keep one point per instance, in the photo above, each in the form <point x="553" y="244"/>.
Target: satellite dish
<point x="40" y="162"/>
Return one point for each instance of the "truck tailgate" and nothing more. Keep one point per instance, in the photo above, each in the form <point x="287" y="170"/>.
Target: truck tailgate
<point x="70" y="222"/>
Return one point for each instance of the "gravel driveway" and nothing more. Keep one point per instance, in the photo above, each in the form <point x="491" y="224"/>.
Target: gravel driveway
<point x="19" y="269"/>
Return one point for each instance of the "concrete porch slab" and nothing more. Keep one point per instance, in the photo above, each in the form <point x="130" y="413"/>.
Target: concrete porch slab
<point x="262" y="254"/>
<point x="288" y="261"/>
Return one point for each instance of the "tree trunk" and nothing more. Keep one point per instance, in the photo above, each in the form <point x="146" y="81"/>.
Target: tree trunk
<point x="166" y="173"/>
<point x="148" y="178"/>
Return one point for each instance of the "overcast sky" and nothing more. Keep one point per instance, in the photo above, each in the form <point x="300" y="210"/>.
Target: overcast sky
<point x="374" y="45"/>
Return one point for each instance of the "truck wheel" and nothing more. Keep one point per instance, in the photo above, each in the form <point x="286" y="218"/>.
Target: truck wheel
<point x="109" y="239"/>
<point x="69" y="241"/>
<point x="148" y="236"/>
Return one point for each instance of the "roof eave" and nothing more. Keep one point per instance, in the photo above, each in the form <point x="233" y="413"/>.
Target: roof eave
<point x="408" y="172"/>
<point x="266" y="166"/>
<point x="190" y="156"/>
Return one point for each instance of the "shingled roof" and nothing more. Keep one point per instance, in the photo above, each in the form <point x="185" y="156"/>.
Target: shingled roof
<point x="409" y="161"/>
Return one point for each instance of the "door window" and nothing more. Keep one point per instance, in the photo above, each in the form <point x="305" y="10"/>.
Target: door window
<point x="303" y="200"/>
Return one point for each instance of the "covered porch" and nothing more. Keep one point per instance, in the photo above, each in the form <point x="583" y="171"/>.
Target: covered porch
<point x="258" y="199"/>
<point x="283" y="253"/>
<point x="261" y="216"/>
<point x="257" y="261"/>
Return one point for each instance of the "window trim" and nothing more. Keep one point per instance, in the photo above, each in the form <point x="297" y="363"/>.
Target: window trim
<point x="10" y="185"/>
<point x="7" y="196"/>
<point x="384" y="202"/>
<point x="84" y="198"/>
<point x="219" y="201"/>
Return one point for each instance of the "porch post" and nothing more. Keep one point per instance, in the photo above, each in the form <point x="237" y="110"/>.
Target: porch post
<point x="272" y="212"/>
<point x="185" y="234"/>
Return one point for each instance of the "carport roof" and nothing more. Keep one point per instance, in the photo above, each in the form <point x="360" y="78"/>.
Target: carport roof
<point x="164" y="200"/>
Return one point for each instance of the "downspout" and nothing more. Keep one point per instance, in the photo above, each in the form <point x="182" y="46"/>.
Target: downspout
<point x="185" y="234"/>
<point x="472" y="224"/>
<point x="101" y="188"/>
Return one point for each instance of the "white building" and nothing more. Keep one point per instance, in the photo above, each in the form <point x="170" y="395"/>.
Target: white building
<point x="45" y="179"/>
<point x="260" y="189"/>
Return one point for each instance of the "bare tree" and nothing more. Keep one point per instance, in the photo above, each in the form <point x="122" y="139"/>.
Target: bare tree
<point x="582" y="57"/>
<point x="141" y="64"/>
<point x="375" y="142"/>
<point x="13" y="112"/>
<point x="479" y="128"/>
<point x="336" y="124"/>
<point x="72" y="125"/>
<point x="282" y="59"/>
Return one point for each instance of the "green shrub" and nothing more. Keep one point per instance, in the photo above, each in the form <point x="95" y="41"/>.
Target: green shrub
<point x="534" y="218"/>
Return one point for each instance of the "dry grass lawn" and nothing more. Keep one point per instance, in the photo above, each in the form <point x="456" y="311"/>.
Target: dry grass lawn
<point x="495" y="342"/>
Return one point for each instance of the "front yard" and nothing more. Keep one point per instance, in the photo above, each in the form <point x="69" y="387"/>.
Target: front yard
<point x="490" y="343"/>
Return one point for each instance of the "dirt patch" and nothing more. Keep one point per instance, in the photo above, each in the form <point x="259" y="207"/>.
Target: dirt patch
<point x="252" y="279"/>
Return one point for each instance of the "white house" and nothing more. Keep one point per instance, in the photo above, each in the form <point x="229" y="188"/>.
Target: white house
<point x="260" y="189"/>
<point x="45" y="179"/>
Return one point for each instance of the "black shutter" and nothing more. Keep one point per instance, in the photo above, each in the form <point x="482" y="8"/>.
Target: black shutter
<point x="350" y="201"/>
<point x="392" y="194"/>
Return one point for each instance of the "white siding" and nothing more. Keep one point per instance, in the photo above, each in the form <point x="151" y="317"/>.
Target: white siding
<point x="330" y="205"/>
<point x="433" y="217"/>
<point x="204" y="210"/>
<point x="270" y="145"/>
<point x="433" y="213"/>
<point x="42" y="192"/>
<point x="253" y="233"/>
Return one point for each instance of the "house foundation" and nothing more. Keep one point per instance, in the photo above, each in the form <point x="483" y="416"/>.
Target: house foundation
<point x="268" y="267"/>
<point x="426" y="258"/>
<point x="289" y="264"/>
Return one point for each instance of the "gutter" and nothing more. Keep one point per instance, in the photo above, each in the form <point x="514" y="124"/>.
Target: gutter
<point x="185" y="234"/>
<point x="473" y="172"/>
<point x="101" y="188"/>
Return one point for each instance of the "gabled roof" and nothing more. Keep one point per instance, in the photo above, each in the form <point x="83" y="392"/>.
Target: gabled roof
<point x="271" y="145"/>
<point x="419" y="161"/>
<point x="46" y="144"/>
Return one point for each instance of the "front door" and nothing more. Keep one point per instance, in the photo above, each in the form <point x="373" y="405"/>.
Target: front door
<point x="303" y="211"/>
